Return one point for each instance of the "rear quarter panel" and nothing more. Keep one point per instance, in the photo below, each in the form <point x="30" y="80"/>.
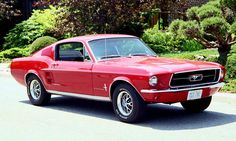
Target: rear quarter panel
<point x="20" y="67"/>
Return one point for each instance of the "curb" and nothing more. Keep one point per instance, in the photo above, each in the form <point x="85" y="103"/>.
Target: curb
<point x="4" y="68"/>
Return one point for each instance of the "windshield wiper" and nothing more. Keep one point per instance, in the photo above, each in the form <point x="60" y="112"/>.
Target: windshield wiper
<point x="110" y="56"/>
<point x="140" y="54"/>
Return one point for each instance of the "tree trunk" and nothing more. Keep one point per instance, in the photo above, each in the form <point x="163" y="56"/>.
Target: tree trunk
<point x="223" y="51"/>
<point x="165" y="20"/>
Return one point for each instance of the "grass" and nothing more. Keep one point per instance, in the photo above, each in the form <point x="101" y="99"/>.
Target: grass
<point x="207" y="55"/>
<point x="230" y="86"/>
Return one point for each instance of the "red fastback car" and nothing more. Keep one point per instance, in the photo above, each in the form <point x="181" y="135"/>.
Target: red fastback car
<point x="120" y="69"/>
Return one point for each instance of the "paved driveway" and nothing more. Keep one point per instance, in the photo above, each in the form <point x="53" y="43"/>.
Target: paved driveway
<point x="83" y="120"/>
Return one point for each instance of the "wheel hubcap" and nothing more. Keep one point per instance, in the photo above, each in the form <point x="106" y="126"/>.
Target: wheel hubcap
<point x="125" y="103"/>
<point x="35" y="89"/>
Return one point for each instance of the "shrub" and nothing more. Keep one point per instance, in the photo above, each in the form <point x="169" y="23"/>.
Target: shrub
<point x="233" y="28"/>
<point x="162" y="42"/>
<point x="191" y="13"/>
<point x="233" y="49"/>
<point x="157" y="40"/>
<point x="231" y="63"/>
<point x="175" y="25"/>
<point x="1" y="55"/>
<point x="41" y="42"/>
<point x="231" y="66"/>
<point x="36" y="26"/>
<point x="14" y="53"/>
<point x="207" y="11"/>
<point x="191" y="45"/>
<point x="215" y="24"/>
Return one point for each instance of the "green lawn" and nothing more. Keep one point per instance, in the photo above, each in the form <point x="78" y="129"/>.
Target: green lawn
<point x="205" y="54"/>
<point x="230" y="86"/>
<point x="208" y="55"/>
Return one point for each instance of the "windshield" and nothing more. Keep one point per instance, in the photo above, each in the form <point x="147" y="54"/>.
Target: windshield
<point x="119" y="47"/>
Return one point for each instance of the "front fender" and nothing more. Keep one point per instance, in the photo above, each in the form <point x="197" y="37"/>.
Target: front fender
<point x="116" y="81"/>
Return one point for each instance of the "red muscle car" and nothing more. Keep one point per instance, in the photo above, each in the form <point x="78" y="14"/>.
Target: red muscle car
<point x="120" y="69"/>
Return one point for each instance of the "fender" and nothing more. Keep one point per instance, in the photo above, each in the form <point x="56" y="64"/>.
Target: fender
<point x="34" y="72"/>
<point x="124" y="79"/>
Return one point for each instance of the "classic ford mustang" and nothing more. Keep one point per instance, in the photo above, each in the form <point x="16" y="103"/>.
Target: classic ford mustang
<point x="120" y="69"/>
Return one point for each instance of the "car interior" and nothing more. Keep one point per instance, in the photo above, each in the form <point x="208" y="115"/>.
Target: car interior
<point x="70" y="52"/>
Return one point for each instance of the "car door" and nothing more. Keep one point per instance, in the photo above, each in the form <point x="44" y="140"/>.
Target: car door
<point x="72" y="69"/>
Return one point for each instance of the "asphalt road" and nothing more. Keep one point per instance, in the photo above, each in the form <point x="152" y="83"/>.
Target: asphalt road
<point x="83" y="120"/>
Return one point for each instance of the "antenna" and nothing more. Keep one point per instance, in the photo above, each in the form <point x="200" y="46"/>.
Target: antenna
<point x="105" y="40"/>
<point x="105" y="46"/>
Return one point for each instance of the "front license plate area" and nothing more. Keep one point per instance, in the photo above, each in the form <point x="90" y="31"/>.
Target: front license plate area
<point x="194" y="94"/>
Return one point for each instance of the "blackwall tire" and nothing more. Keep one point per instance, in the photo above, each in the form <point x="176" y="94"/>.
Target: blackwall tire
<point x="197" y="105"/>
<point x="36" y="92"/>
<point x="127" y="104"/>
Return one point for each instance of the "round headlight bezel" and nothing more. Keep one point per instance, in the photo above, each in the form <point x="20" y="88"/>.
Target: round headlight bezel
<point x="153" y="80"/>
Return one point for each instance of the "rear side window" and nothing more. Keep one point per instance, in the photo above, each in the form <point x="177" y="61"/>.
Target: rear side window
<point x="70" y="52"/>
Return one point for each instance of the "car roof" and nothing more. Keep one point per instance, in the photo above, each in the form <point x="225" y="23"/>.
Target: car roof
<point x="94" y="37"/>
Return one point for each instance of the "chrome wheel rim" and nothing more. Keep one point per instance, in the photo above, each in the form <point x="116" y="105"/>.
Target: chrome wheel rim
<point x="35" y="89"/>
<point x="125" y="103"/>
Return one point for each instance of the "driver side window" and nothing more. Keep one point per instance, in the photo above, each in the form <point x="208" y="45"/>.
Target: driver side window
<point x="71" y="52"/>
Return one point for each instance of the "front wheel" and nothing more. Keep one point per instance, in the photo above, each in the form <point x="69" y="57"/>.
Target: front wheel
<point x="197" y="105"/>
<point x="36" y="92"/>
<point x="127" y="104"/>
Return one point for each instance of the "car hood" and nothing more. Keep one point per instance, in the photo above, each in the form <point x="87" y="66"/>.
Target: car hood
<point x="159" y="64"/>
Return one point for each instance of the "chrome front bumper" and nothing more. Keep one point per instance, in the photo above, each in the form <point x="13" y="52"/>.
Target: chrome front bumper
<point x="218" y="85"/>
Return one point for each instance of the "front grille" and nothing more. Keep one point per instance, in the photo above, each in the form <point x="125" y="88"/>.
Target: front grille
<point x="194" y="78"/>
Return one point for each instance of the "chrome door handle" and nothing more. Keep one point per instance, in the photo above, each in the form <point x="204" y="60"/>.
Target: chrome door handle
<point x="55" y="64"/>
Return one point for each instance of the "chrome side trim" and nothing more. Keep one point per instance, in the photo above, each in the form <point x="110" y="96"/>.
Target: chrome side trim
<point x="218" y="85"/>
<point x="99" y="98"/>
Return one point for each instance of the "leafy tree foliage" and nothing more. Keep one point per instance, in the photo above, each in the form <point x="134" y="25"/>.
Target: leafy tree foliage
<point x="230" y="3"/>
<point x="38" y="25"/>
<point x="7" y="10"/>
<point x="8" y="16"/>
<point x="213" y="25"/>
<point x="103" y="16"/>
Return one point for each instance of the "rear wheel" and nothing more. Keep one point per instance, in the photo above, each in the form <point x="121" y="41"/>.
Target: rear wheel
<point x="36" y="92"/>
<point x="197" y="105"/>
<point x="127" y="104"/>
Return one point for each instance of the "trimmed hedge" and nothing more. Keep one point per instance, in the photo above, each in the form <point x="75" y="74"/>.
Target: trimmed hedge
<point x="41" y="42"/>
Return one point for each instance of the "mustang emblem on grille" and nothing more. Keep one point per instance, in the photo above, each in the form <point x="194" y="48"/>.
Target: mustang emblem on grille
<point x="195" y="77"/>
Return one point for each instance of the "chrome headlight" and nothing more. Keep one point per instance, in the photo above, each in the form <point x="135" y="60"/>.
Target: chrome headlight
<point x="221" y="73"/>
<point x="153" y="80"/>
